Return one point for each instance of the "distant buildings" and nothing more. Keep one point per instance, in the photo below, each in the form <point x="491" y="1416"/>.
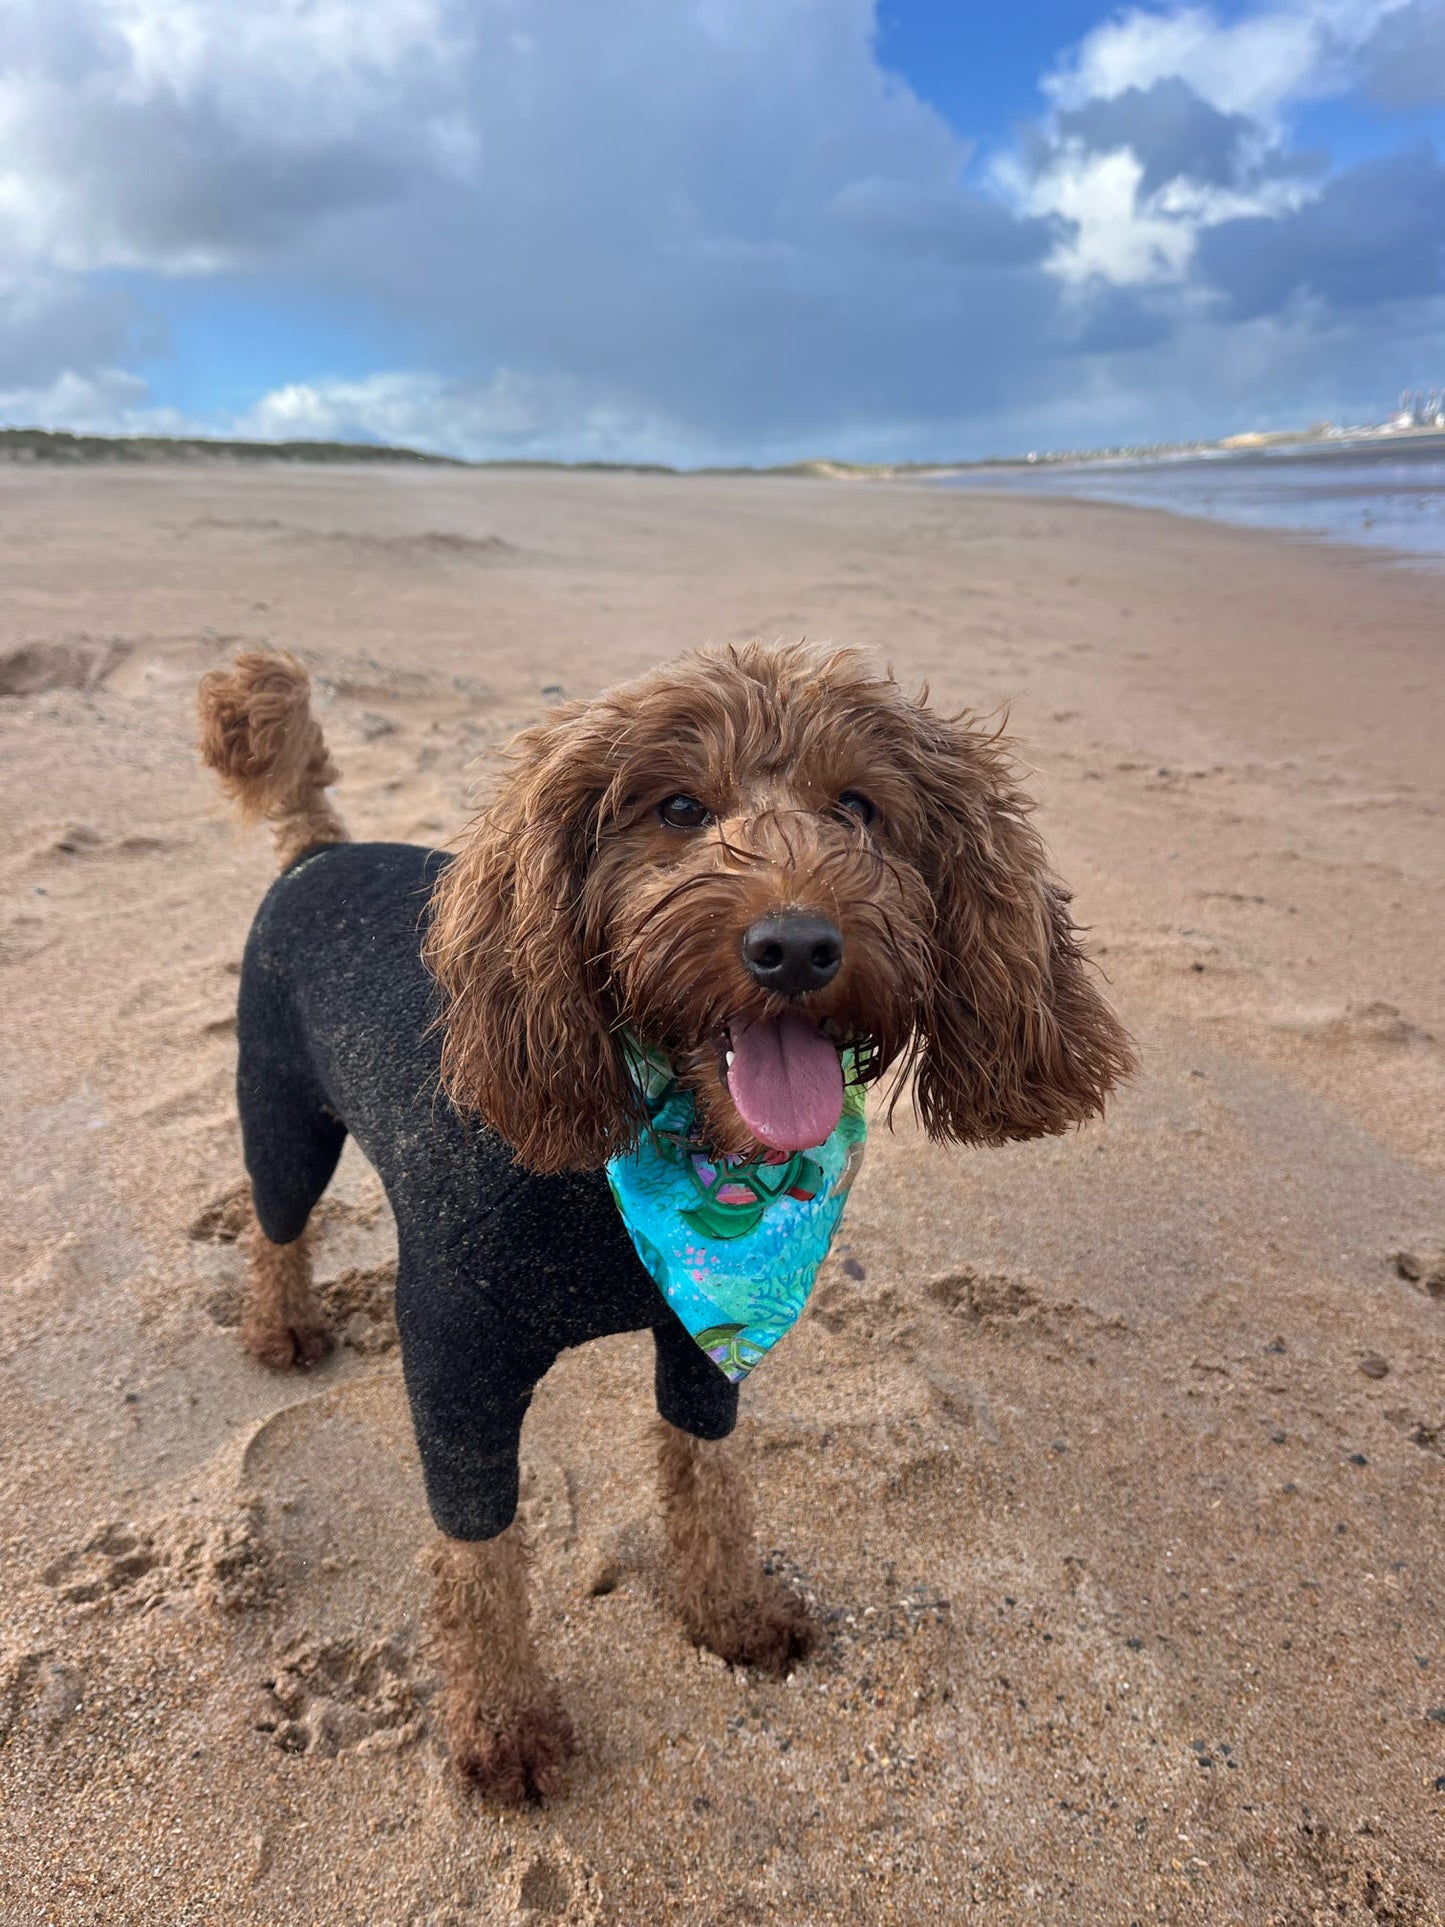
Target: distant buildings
<point x="1420" y="408"/>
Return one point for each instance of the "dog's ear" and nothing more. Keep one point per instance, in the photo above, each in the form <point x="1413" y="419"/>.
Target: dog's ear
<point x="529" y="1040"/>
<point x="1015" y="1040"/>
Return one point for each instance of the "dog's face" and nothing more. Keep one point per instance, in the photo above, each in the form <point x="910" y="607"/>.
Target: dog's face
<point x="759" y="889"/>
<point x="755" y="860"/>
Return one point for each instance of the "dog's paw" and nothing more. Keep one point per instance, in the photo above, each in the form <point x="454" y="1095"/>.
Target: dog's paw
<point x="772" y="1631"/>
<point x="287" y="1348"/>
<point x="517" y="1756"/>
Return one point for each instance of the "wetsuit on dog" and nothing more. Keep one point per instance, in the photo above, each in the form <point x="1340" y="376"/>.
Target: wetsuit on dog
<point x="499" y="1270"/>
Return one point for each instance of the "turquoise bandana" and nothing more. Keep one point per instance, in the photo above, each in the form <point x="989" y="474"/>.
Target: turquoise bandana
<point x="733" y="1245"/>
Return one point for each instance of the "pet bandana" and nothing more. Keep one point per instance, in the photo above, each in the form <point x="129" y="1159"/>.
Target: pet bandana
<point x="733" y="1245"/>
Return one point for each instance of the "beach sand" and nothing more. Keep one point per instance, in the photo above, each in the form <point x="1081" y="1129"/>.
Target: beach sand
<point x="1114" y="1464"/>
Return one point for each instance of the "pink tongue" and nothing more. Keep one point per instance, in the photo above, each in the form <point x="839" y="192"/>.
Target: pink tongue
<point x="786" y="1082"/>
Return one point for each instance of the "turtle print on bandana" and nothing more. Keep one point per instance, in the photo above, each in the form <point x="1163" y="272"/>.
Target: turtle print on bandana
<point x="733" y="1245"/>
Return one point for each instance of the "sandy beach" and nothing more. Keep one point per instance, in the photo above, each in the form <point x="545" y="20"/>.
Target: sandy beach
<point x="1114" y="1465"/>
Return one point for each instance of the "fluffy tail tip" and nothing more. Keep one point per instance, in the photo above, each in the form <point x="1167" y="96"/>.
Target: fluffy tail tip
<point x="258" y="734"/>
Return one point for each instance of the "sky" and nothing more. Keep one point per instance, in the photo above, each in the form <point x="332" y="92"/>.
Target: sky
<point x="718" y="231"/>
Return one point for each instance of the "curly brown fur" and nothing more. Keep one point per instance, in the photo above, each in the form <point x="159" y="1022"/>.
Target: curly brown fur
<point x="574" y="912"/>
<point x="724" y="1598"/>
<point x="282" y="1325"/>
<point x="258" y="734"/>
<point x="505" y="1726"/>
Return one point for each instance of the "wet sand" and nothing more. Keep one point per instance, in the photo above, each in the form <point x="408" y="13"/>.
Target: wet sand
<point x="1113" y="1465"/>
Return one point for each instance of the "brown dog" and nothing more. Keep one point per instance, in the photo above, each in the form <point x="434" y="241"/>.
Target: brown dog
<point x="755" y="859"/>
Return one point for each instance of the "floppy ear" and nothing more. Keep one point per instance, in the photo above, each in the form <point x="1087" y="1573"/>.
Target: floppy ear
<point x="1015" y="1040"/>
<point x="529" y="1040"/>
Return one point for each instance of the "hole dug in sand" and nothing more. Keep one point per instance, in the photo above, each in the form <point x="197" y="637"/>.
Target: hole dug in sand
<point x="37" y="667"/>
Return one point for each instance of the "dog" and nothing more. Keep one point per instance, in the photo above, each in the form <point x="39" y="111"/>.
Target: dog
<point x="768" y="870"/>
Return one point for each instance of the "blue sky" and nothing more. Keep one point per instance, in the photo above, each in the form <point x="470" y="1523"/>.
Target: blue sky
<point x="718" y="230"/>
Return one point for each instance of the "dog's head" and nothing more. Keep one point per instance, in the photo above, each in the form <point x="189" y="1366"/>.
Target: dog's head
<point x="754" y="859"/>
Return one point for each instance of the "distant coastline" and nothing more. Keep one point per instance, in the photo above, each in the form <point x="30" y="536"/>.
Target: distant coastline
<point x="58" y="447"/>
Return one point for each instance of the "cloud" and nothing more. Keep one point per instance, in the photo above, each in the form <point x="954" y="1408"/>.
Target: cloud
<point x="939" y="223"/>
<point x="50" y="322"/>
<point x="511" y="415"/>
<point x="725" y="217"/>
<point x="1169" y="125"/>
<point x="188" y="135"/>
<point x="1374" y="235"/>
<point x="1254" y="66"/>
<point x="1174" y="134"/>
<point x="107" y="401"/>
<point x="718" y="231"/>
<point x="1404" y="59"/>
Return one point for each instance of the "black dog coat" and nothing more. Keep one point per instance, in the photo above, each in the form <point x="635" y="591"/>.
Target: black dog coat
<point x="499" y="1270"/>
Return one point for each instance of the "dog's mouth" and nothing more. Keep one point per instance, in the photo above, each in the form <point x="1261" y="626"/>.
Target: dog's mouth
<point x="785" y="1079"/>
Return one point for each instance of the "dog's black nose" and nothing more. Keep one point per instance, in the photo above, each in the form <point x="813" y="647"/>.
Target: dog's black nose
<point x="792" y="953"/>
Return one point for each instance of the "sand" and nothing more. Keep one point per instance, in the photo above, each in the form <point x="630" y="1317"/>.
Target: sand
<point x="1114" y="1465"/>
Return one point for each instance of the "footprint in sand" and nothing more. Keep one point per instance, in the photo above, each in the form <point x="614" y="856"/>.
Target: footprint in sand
<point x="553" y="1885"/>
<point x="219" y="1558"/>
<point x="111" y="1562"/>
<point x="1002" y="1303"/>
<point x="39" y="1691"/>
<point x="840" y="1306"/>
<point x="1372" y="1023"/>
<point x="360" y="1308"/>
<point x="1429" y="1437"/>
<point x="1423" y="1266"/>
<point x="333" y="1696"/>
<point x="976" y="1296"/>
<point x="22" y="937"/>
<point x="223" y="1220"/>
<point x="71" y="840"/>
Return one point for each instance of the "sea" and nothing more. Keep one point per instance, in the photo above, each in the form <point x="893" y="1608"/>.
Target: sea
<point x="1383" y="494"/>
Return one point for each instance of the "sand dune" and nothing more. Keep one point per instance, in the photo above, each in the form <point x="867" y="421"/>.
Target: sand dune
<point x="1114" y="1466"/>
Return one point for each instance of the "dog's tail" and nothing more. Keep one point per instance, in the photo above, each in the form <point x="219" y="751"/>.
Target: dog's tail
<point x="259" y="736"/>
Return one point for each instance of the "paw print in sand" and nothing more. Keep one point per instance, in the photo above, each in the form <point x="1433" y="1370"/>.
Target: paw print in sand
<point x="331" y="1696"/>
<point x="114" y="1560"/>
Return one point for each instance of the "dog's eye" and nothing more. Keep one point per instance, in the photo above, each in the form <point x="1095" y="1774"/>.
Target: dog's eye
<point x="684" y="813"/>
<point x="855" y="804"/>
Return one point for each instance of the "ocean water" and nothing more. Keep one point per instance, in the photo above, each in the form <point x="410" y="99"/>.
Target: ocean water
<point x="1387" y="495"/>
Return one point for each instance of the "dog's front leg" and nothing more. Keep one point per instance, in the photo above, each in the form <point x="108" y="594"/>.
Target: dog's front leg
<point x="508" y="1734"/>
<point x="725" y="1599"/>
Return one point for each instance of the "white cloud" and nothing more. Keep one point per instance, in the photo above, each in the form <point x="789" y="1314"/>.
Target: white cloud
<point x="511" y="415"/>
<point x="1113" y="238"/>
<point x="1257" y="65"/>
<point x="1117" y="233"/>
<point x="1244" y="76"/>
<point x="190" y="135"/>
<point x="107" y="401"/>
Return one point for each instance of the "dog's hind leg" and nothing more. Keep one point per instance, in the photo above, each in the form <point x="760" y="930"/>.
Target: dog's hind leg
<point x="505" y="1725"/>
<point x="726" y="1600"/>
<point x="282" y="1324"/>
<point x="291" y="1151"/>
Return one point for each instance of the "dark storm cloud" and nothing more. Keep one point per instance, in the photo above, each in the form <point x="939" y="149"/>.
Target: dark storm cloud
<point x="1120" y="321"/>
<point x="170" y="183"/>
<point x="943" y="225"/>
<point x="1404" y="61"/>
<point x="1172" y="132"/>
<point x="1375" y="234"/>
